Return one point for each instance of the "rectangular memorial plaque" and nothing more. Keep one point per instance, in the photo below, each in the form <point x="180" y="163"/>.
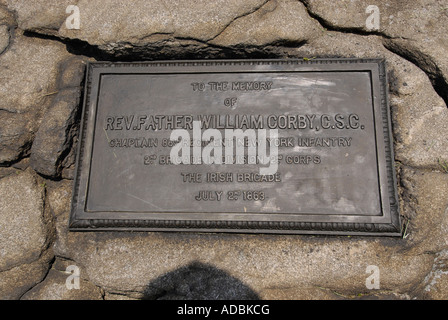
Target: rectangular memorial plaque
<point x="265" y="146"/>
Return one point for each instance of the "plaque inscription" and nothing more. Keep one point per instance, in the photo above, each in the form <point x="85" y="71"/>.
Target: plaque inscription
<point x="159" y="148"/>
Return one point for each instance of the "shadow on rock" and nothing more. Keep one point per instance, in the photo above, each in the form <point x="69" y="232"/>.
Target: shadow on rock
<point x="198" y="281"/>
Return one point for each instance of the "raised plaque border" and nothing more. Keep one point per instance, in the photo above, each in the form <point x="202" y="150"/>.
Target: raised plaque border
<point x="118" y="222"/>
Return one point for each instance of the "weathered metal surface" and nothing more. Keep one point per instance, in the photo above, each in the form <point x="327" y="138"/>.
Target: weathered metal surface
<point x="334" y="171"/>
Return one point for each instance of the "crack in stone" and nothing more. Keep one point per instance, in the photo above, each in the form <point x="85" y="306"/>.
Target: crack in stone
<point x="11" y="28"/>
<point x="239" y="17"/>
<point x="43" y="279"/>
<point x="127" y="51"/>
<point x="351" y="30"/>
<point x="148" y="36"/>
<point x="192" y="49"/>
<point x="431" y="277"/>
<point x="160" y="49"/>
<point x="423" y="62"/>
<point x="428" y="66"/>
<point x="329" y="26"/>
<point x="74" y="46"/>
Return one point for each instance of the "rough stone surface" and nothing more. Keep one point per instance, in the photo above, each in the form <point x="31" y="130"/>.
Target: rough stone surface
<point x="40" y="13"/>
<point x="275" y="261"/>
<point x="425" y="203"/>
<point x="55" y="133"/>
<point x="6" y="16"/>
<point x="54" y="288"/>
<point x="398" y="19"/>
<point x="54" y="139"/>
<point x="413" y="29"/>
<point x="6" y="171"/>
<point x="276" y="22"/>
<point x="15" y="282"/>
<point x="4" y="38"/>
<point x="24" y="240"/>
<point x="28" y="73"/>
<point x="436" y="282"/>
<point x="59" y="197"/>
<point x="21" y="208"/>
<point x="42" y="68"/>
<point x="72" y="72"/>
<point x="114" y="21"/>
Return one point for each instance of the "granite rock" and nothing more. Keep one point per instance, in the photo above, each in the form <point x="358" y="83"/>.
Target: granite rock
<point x="26" y="234"/>
<point x="42" y="65"/>
<point x="29" y="69"/>
<point x="4" y="38"/>
<point x="54" y="287"/>
<point x="277" y="22"/>
<point x="21" y="208"/>
<point x="436" y="282"/>
<point x="126" y="263"/>
<point x="115" y="22"/>
<point x="15" y="282"/>
<point x="417" y="30"/>
<point x="55" y="135"/>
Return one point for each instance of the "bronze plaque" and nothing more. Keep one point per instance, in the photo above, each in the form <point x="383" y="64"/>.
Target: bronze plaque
<point x="259" y="146"/>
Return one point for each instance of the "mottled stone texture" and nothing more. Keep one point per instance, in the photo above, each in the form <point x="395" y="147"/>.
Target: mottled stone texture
<point x="42" y="67"/>
<point x="54" y="138"/>
<point x="25" y="234"/>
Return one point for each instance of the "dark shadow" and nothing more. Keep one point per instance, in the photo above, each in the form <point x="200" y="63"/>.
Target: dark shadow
<point x="190" y="49"/>
<point x="198" y="281"/>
